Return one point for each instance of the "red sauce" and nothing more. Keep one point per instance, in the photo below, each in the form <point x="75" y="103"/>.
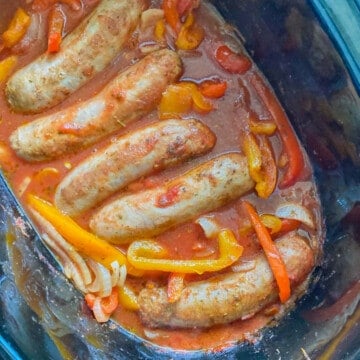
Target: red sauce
<point x="228" y="121"/>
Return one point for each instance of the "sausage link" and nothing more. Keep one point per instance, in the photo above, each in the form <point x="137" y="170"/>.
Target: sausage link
<point x="86" y="51"/>
<point x="153" y="211"/>
<point x="227" y="297"/>
<point x="132" y="156"/>
<point x="129" y="96"/>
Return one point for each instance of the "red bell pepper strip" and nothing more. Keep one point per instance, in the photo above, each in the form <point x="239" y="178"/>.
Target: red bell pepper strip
<point x="232" y="62"/>
<point x="56" y="25"/>
<point x="171" y="14"/>
<point x="291" y="145"/>
<point x="213" y="89"/>
<point x="272" y="253"/>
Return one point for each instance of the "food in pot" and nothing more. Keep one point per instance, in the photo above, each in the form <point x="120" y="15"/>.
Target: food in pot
<point x="167" y="181"/>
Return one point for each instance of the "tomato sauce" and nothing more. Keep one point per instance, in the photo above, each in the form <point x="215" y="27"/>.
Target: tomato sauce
<point x="229" y="121"/>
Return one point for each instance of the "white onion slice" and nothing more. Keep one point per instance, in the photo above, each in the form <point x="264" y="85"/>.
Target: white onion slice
<point x="209" y="225"/>
<point x="122" y="276"/>
<point x="67" y="248"/>
<point x="99" y="314"/>
<point x="296" y="212"/>
<point x="244" y="266"/>
<point x="102" y="281"/>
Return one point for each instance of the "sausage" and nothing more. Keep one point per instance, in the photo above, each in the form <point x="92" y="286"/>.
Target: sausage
<point x="137" y="154"/>
<point x="126" y="98"/>
<point x="86" y="51"/>
<point x="150" y="212"/>
<point x="230" y="296"/>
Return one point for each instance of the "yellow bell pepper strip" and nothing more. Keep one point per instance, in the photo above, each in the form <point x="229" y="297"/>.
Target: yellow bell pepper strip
<point x="175" y="286"/>
<point x="190" y="35"/>
<point x="261" y="163"/>
<point x="86" y="243"/>
<point x="181" y="98"/>
<point x="253" y="155"/>
<point x="159" y="30"/>
<point x="6" y="66"/>
<point x="128" y="299"/>
<point x="291" y="145"/>
<point x="271" y="252"/>
<point x="171" y="14"/>
<point x="149" y="255"/>
<point x="262" y="127"/>
<point x="17" y="28"/>
<point x="272" y="222"/>
<point x="213" y="89"/>
<point x="267" y="185"/>
<point x="56" y="25"/>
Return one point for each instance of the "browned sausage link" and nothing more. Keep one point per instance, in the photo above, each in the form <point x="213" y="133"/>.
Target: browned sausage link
<point x="129" y="96"/>
<point x="150" y="212"/>
<point x="227" y="297"/>
<point x="85" y="52"/>
<point x="132" y="156"/>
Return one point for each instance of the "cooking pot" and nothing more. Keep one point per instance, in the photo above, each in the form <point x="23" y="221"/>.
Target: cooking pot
<point x="316" y="79"/>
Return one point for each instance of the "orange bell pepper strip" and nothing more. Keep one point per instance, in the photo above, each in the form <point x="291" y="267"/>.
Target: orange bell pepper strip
<point x="291" y="145"/>
<point x="56" y="25"/>
<point x="149" y="255"/>
<point x="232" y="62"/>
<point x="271" y="252"/>
<point x="175" y="287"/>
<point x="86" y="243"/>
<point x="213" y="89"/>
<point x="171" y="14"/>
<point x="17" y="28"/>
<point x="190" y="35"/>
<point x="6" y="66"/>
<point x="111" y="302"/>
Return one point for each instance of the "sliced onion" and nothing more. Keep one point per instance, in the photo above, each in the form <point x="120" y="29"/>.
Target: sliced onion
<point x="99" y="314"/>
<point x="67" y="248"/>
<point x="244" y="266"/>
<point x="209" y="225"/>
<point x="115" y="272"/>
<point x="102" y="281"/>
<point x="122" y="276"/>
<point x="70" y="270"/>
<point x="24" y="185"/>
<point x="296" y="212"/>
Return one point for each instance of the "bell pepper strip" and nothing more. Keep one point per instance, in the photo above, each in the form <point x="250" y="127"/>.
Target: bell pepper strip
<point x="159" y="30"/>
<point x="128" y="299"/>
<point x="181" y="98"/>
<point x="271" y="252"/>
<point x="253" y="154"/>
<point x="6" y="67"/>
<point x="17" y="28"/>
<point x="86" y="243"/>
<point x="171" y="14"/>
<point x="232" y="62"/>
<point x="266" y="186"/>
<point x="56" y="25"/>
<point x="290" y="143"/>
<point x="190" y="35"/>
<point x="110" y="303"/>
<point x="176" y="100"/>
<point x="184" y="7"/>
<point x="272" y="222"/>
<point x="213" y="89"/>
<point x="103" y="307"/>
<point x="262" y="127"/>
<point x="175" y="286"/>
<point x="149" y="255"/>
